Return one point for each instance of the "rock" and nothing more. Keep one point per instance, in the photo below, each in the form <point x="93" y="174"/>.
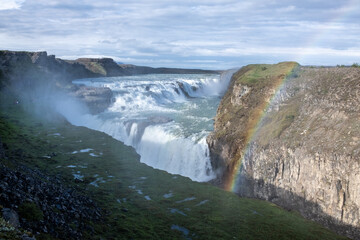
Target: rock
<point x="183" y="89"/>
<point x="295" y="148"/>
<point x="32" y="68"/>
<point x="107" y="67"/>
<point x="104" y="66"/>
<point x="11" y="216"/>
<point x="39" y="58"/>
<point x="26" y="237"/>
<point x="36" y="208"/>
<point x="97" y="99"/>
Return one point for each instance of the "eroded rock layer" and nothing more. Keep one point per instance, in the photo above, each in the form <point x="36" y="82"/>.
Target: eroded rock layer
<point x="294" y="143"/>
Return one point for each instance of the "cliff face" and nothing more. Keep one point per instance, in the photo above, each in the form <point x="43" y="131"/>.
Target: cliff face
<point x="247" y="96"/>
<point x="25" y="71"/>
<point x="303" y="153"/>
<point x="107" y="67"/>
<point x="35" y="65"/>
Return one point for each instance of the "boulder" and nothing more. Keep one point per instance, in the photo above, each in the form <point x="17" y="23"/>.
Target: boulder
<point x="11" y="216"/>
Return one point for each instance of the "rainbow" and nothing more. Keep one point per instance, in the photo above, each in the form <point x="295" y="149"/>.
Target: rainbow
<point x="231" y="184"/>
<point x="346" y="10"/>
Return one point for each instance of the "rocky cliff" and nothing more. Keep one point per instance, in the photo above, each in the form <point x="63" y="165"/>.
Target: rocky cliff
<point x="107" y="67"/>
<point x="136" y="70"/>
<point x="25" y="71"/>
<point x="34" y="65"/>
<point x="291" y="135"/>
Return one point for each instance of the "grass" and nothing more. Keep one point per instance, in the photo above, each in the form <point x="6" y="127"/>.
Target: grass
<point x="97" y="68"/>
<point x="133" y="194"/>
<point x="258" y="75"/>
<point x="30" y="211"/>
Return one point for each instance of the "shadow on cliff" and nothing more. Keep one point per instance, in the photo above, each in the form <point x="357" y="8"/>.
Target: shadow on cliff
<point x="249" y="187"/>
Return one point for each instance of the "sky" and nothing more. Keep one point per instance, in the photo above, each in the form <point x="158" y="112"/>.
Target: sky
<point x="209" y="34"/>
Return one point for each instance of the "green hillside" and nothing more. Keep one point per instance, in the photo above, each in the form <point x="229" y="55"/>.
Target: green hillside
<point x="137" y="201"/>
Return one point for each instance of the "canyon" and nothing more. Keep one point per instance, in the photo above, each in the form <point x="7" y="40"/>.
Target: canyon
<point x="290" y="135"/>
<point x="284" y="133"/>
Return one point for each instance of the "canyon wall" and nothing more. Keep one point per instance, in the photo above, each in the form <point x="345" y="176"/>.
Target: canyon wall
<point x="291" y="135"/>
<point x="24" y="73"/>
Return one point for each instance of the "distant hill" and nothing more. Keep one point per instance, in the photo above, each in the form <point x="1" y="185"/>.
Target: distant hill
<point x="137" y="70"/>
<point x="107" y="67"/>
<point x="22" y="64"/>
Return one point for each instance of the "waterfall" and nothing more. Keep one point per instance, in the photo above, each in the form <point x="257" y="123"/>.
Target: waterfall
<point x="166" y="118"/>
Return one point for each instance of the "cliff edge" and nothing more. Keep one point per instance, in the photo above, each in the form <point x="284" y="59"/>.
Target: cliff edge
<point x="107" y="67"/>
<point x="39" y="74"/>
<point x="291" y="135"/>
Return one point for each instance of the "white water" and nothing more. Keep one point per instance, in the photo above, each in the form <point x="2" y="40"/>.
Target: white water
<point x="166" y="118"/>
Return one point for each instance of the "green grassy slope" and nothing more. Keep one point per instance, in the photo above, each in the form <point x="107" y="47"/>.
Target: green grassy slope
<point x="141" y="202"/>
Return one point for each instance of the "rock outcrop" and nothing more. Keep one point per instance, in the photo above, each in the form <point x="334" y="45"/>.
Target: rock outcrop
<point x="33" y="66"/>
<point x="98" y="99"/>
<point x="107" y="67"/>
<point x="26" y="71"/>
<point x="21" y="64"/>
<point x="295" y="143"/>
<point x="11" y="217"/>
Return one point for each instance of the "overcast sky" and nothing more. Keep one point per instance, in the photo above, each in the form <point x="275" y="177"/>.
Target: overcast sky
<point x="209" y="34"/>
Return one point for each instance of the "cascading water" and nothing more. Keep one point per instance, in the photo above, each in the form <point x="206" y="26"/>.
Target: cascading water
<point x="166" y="118"/>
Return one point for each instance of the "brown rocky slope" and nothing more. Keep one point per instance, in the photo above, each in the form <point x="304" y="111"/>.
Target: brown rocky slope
<point x="298" y="148"/>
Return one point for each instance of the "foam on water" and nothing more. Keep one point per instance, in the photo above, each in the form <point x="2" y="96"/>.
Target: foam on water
<point x="166" y="118"/>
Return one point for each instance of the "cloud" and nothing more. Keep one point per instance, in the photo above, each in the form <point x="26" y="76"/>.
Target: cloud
<point x="183" y="33"/>
<point x="10" y="4"/>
